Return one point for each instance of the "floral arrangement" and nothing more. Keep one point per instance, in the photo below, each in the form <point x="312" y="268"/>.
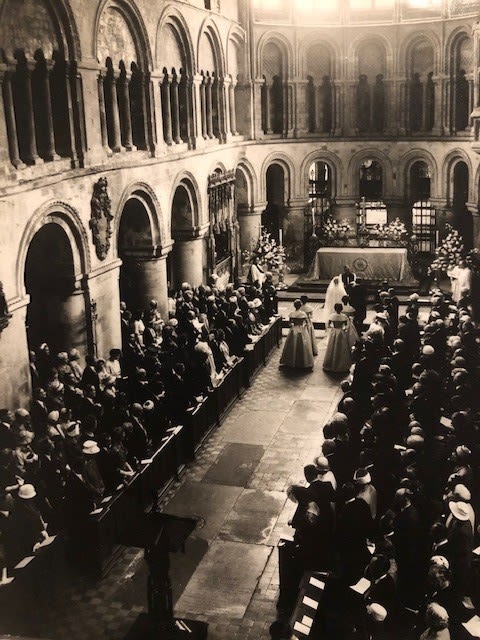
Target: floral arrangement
<point x="450" y="251"/>
<point x="395" y="230"/>
<point x="333" y="229"/>
<point x="268" y="253"/>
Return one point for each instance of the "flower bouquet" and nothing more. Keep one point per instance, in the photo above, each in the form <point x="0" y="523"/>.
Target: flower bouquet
<point x="334" y="230"/>
<point x="269" y="254"/>
<point x="448" y="254"/>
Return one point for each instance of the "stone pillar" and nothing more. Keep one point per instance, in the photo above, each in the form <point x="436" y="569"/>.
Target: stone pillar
<point x="197" y="110"/>
<point x="476" y="228"/>
<point x="44" y="118"/>
<point x="250" y="221"/>
<point x="232" y="108"/>
<point x="73" y="318"/>
<point x="103" y="114"/>
<point x="209" y="105"/>
<point x="124" y="109"/>
<point x="188" y="255"/>
<point x="258" y="107"/>
<point x="438" y="128"/>
<point x="155" y="100"/>
<point x="8" y="135"/>
<point x="294" y="235"/>
<point x="203" y="107"/>
<point x="266" y="108"/>
<point x="15" y="390"/>
<point x="112" y="111"/>
<point x="149" y="272"/>
<point x="103" y="302"/>
<point x="175" y="109"/>
<point x="338" y="107"/>
<point x="223" y="108"/>
<point x="23" y="93"/>
<point x="166" y="110"/>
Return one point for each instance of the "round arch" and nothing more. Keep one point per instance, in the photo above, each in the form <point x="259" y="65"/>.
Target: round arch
<point x="362" y="39"/>
<point x="134" y="20"/>
<point x="251" y="181"/>
<point x="369" y="154"/>
<point x="462" y="31"/>
<point x="335" y="166"/>
<point x="408" y="160"/>
<point x="64" y="23"/>
<point x="143" y="193"/>
<point x="289" y="170"/>
<point x="408" y="44"/>
<point x="188" y="183"/>
<point x="210" y="29"/>
<point x="333" y="50"/>
<point x="448" y="167"/>
<point x="236" y="37"/>
<point x="285" y="47"/>
<point x="172" y="17"/>
<point x="68" y="219"/>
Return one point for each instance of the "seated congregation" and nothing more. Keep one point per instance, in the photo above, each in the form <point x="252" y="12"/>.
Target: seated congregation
<point x="88" y="428"/>
<point x="387" y="518"/>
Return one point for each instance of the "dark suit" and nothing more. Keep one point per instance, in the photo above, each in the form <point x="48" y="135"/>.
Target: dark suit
<point x="409" y="542"/>
<point x="460" y="538"/>
<point x="354" y="526"/>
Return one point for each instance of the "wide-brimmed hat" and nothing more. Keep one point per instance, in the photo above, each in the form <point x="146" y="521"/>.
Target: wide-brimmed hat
<point x="440" y="561"/>
<point x="459" y="510"/>
<point x="90" y="447"/>
<point x="376" y="611"/>
<point x="27" y="491"/>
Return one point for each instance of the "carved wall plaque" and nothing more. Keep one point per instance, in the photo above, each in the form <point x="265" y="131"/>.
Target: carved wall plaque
<point x="101" y="218"/>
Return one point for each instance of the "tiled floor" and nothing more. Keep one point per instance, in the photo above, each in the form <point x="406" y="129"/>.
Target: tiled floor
<point x="228" y="576"/>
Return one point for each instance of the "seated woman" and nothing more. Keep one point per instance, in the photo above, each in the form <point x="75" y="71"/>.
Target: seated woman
<point x="338" y="354"/>
<point x="297" y="351"/>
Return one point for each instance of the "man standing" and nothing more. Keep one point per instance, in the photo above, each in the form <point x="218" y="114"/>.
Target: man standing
<point x="358" y="300"/>
<point x="461" y="279"/>
<point x="348" y="278"/>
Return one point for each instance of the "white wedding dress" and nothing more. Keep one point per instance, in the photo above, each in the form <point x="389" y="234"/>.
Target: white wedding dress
<point x="335" y="293"/>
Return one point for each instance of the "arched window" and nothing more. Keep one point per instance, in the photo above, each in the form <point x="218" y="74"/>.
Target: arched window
<point x="319" y="90"/>
<point x="370" y="98"/>
<point x="272" y="217"/>
<point x="461" y="93"/>
<point x="423" y="213"/>
<point x="421" y="88"/>
<point x="319" y="195"/>
<point x="273" y="92"/>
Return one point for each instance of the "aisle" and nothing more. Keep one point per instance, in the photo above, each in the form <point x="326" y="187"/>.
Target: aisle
<point x="237" y="489"/>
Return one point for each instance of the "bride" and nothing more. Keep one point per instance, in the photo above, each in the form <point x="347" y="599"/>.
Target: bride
<point x="335" y="293"/>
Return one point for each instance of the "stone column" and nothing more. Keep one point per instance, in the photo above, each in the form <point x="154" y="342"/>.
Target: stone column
<point x="8" y="135"/>
<point x="44" y="119"/>
<point x="203" y="107"/>
<point x="103" y="114"/>
<point x="294" y="235"/>
<point x="232" y="108"/>
<point x="250" y="221"/>
<point x="258" y="106"/>
<point x="124" y="109"/>
<point x="73" y="320"/>
<point x="112" y="111"/>
<point x="439" y="107"/>
<point x="104" y="294"/>
<point x="149" y="272"/>
<point x="208" y="103"/>
<point x="175" y="109"/>
<point x="188" y="257"/>
<point x="166" y="109"/>
<point x="266" y="108"/>
<point x="223" y="109"/>
<point x="23" y="93"/>
<point x="197" y="111"/>
<point x="154" y="94"/>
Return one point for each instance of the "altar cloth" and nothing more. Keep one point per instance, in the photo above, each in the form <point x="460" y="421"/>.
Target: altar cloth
<point x="369" y="263"/>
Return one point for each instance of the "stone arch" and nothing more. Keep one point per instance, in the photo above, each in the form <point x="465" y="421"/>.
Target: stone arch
<point x="289" y="171"/>
<point x="63" y="21"/>
<point x="377" y="39"/>
<point x="235" y="42"/>
<point x="285" y="48"/>
<point x="171" y="17"/>
<point x="148" y="198"/>
<point x="458" y="34"/>
<point x="65" y="216"/>
<point x="133" y="18"/>
<point x="408" y="160"/>
<point x="209" y="29"/>
<point x="408" y="45"/>
<point x="334" y="163"/>
<point x="246" y="168"/>
<point x="333" y="51"/>
<point x="188" y="182"/>
<point x="373" y="154"/>
<point x="448" y="167"/>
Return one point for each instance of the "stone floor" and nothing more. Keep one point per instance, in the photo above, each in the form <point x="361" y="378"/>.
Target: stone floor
<point x="228" y="575"/>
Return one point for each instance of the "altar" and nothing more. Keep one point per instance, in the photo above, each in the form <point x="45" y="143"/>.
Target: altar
<point x="368" y="263"/>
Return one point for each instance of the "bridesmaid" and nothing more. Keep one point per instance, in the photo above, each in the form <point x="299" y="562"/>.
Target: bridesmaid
<point x="297" y="351"/>
<point x="306" y="308"/>
<point x="349" y="311"/>
<point x="338" y="357"/>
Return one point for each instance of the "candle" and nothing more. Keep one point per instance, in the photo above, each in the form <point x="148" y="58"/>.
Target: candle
<point x="313" y="219"/>
<point x="437" y="237"/>
<point x="280" y="237"/>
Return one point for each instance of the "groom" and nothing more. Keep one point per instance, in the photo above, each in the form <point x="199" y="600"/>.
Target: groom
<point x="358" y="300"/>
<point x="348" y="278"/>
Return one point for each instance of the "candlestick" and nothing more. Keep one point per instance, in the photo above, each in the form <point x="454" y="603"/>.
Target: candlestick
<point x="280" y="237"/>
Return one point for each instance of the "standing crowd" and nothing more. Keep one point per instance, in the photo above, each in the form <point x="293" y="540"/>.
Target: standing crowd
<point x="89" y="427"/>
<point x="388" y="513"/>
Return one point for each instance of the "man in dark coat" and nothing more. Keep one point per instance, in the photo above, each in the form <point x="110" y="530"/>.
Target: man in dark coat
<point x="460" y="538"/>
<point x="358" y="300"/>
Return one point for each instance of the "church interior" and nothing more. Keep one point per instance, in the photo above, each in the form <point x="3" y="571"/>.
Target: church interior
<point x="237" y="393"/>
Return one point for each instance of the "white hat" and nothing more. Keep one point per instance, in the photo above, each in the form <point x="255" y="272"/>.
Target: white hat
<point x="53" y="416"/>
<point x="428" y="350"/>
<point x="461" y="491"/>
<point x="362" y="477"/>
<point x="27" y="491"/>
<point x="73" y="429"/>
<point x="377" y="612"/>
<point x="459" y="510"/>
<point x="90" y="447"/>
<point x="440" y="561"/>
<point x="148" y="405"/>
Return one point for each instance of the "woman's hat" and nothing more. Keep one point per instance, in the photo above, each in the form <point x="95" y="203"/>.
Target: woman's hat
<point x="362" y="476"/>
<point x="322" y="464"/>
<point x="73" y="429"/>
<point x="27" y="491"/>
<point x="440" y="561"/>
<point x="459" y="510"/>
<point x="461" y="492"/>
<point x="90" y="447"/>
<point x="53" y="416"/>
<point x="377" y="612"/>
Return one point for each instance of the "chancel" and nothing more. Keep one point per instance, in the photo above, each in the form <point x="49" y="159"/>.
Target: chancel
<point x="239" y="307"/>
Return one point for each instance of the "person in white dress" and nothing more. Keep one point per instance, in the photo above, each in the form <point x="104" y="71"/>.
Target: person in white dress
<point x="335" y="293"/>
<point x="461" y="279"/>
<point x="338" y="358"/>
<point x="308" y="309"/>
